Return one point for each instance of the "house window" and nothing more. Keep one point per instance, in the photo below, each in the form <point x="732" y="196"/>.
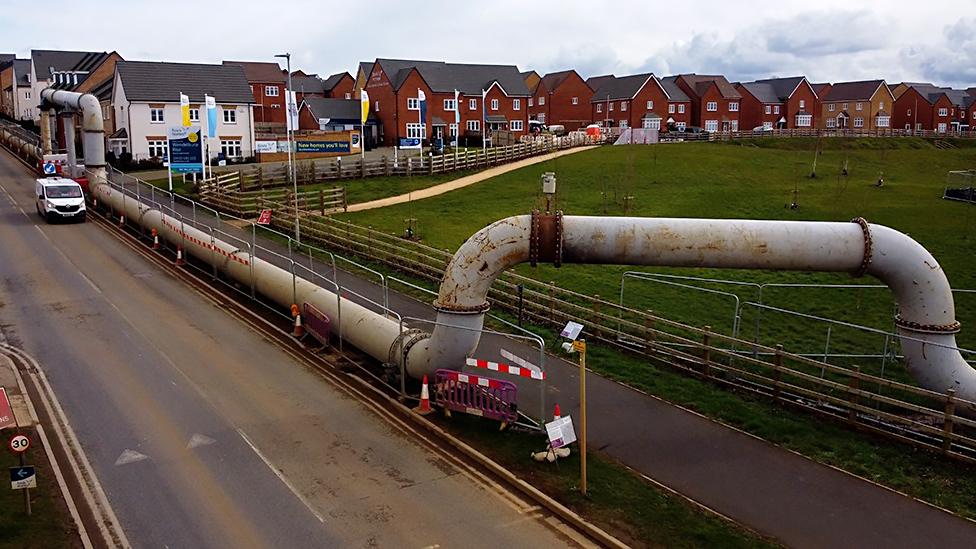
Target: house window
<point x="474" y="125"/>
<point x="452" y="129"/>
<point x="157" y="148"/>
<point x="194" y="115"/>
<point x="231" y="147"/>
<point x="576" y="100"/>
<point x="844" y="106"/>
<point x="416" y="131"/>
<point x="530" y="101"/>
<point x="908" y="112"/>
<point x="681" y="109"/>
<point x="494" y="104"/>
<point x="880" y="105"/>
<point x="376" y="106"/>
<point x="803" y="104"/>
<point x="804" y="120"/>
<point x="515" y="125"/>
<point x="734" y="106"/>
<point x="516" y="104"/>
<point x="942" y="127"/>
<point x="671" y="108"/>
<point x="831" y="123"/>
<point x="599" y="107"/>
<point x="711" y="106"/>
<point x="156" y="116"/>
<point x="106" y="112"/>
<point x="918" y="126"/>
<point x="624" y="124"/>
<point x="883" y="121"/>
<point x="230" y="116"/>
<point x="651" y="124"/>
<point x="413" y="104"/>
<point x="735" y="125"/>
<point x="610" y="107"/>
<point x="348" y="95"/>
<point x="542" y="117"/>
<point x="859" y="106"/>
<point x="623" y="106"/>
<point x="775" y="109"/>
<point x="650" y="105"/>
<point x="858" y="122"/>
<point x="680" y="125"/>
<point x="830" y="107"/>
<point x="711" y="125"/>
<point x="472" y="104"/>
<point x="450" y="105"/>
<point x="271" y="91"/>
<point x="542" y="100"/>
<point x="767" y="125"/>
<point x="943" y="112"/>
<point x="769" y="109"/>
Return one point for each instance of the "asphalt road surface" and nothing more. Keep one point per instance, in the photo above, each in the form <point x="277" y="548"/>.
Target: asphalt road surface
<point x="205" y="435"/>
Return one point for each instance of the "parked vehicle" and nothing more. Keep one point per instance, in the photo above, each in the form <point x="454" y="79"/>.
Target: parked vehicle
<point x="59" y="198"/>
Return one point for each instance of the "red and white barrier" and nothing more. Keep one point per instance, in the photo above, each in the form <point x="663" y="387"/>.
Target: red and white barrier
<point x="506" y="368"/>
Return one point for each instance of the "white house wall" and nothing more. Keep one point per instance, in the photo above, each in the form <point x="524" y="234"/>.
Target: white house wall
<point x="141" y="127"/>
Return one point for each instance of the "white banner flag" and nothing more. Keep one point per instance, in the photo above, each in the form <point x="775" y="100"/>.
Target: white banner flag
<point x="292" y="107"/>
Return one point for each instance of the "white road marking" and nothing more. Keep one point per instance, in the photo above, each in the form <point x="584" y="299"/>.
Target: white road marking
<point x="281" y="476"/>
<point x="89" y="281"/>
<point x="130" y="456"/>
<point x="42" y="233"/>
<point x="198" y="440"/>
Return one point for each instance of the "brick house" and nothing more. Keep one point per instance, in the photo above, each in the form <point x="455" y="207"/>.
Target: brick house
<point x="640" y="101"/>
<point x="268" y="83"/>
<point x="362" y="75"/>
<point x="67" y="70"/>
<point x="531" y="79"/>
<point x="922" y="107"/>
<point x="16" y="90"/>
<point x="337" y="86"/>
<point x="393" y="87"/>
<point x="714" y="101"/>
<point x="780" y="103"/>
<point x="964" y="118"/>
<point x="865" y="104"/>
<point x="561" y="98"/>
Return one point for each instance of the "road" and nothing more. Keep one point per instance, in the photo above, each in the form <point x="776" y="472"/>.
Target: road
<point x="202" y="433"/>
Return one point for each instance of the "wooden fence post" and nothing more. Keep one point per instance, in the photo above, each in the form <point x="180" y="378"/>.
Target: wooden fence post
<point x="552" y="301"/>
<point x="855" y="385"/>
<point x="777" y="373"/>
<point x="597" y="317"/>
<point x="947" y="423"/>
<point x="345" y="202"/>
<point x="706" y="353"/>
<point x="322" y="200"/>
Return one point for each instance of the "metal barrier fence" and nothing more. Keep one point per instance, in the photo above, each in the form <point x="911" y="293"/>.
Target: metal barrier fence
<point x="481" y="396"/>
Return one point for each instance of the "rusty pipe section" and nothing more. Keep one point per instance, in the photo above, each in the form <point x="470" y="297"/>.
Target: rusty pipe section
<point x="926" y="319"/>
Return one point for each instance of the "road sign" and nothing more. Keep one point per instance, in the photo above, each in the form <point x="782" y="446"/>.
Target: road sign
<point x="572" y="330"/>
<point x="185" y="149"/>
<point x="579" y="346"/>
<point x="49" y="168"/>
<point x="23" y="477"/>
<point x="19" y="443"/>
<point x="6" y="412"/>
<point x="265" y="217"/>
<point x="561" y="432"/>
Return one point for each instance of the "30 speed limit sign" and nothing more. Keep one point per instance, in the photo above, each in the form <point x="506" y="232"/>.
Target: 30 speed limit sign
<point x="19" y="443"/>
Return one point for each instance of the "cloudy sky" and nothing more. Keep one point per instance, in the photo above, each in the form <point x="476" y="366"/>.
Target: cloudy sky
<point x="827" y="40"/>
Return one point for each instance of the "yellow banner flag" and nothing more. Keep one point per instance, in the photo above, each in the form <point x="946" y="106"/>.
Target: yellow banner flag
<point x="185" y="110"/>
<point x="364" y="103"/>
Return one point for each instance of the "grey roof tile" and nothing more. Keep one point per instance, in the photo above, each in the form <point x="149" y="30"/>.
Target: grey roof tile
<point x="155" y="81"/>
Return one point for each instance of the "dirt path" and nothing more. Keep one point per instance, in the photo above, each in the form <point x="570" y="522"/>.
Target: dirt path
<point x="461" y="181"/>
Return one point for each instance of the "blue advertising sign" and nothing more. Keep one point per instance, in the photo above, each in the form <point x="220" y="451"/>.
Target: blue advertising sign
<point x="409" y="143"/>
<point x="185" y="150"/>
<point x="322" y="146"/>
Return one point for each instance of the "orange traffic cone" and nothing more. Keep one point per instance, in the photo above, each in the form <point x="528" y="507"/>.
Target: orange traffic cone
<point x="424" y="407"/>
<point x="180" y="260"/>
<point x="555" y="413"/>
<point x="155" y="235"/>
<point x="122" y="220"/>
<point x="299" y="330"/>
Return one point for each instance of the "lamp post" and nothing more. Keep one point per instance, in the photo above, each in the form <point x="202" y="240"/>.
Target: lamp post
<point x="288" y="132"/>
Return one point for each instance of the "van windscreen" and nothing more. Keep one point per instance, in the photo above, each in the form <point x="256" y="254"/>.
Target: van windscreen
<point x="63" y="191"/>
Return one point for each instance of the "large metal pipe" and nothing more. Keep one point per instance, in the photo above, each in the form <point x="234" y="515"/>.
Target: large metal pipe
<point x="926" y="319"/>
<point x="92" y="125"/>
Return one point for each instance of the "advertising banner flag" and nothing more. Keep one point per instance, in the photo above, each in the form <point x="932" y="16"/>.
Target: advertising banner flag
<point x="211" y="104"/>
<point x="364" y="105"/>
<point x="185" y="110"/>
<point x="422" y="99"/>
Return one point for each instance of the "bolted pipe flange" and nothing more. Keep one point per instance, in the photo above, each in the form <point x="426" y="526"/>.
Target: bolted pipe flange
<point x="868" y="251"/>
<point x="950" y="328"/>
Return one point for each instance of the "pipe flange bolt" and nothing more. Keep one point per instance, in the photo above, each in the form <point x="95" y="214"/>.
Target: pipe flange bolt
<point x="868" y="247"/>
<point x="949" y="328"/>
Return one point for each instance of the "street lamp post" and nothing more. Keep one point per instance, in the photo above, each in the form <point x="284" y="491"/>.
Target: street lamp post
<point x="288" y="132"/>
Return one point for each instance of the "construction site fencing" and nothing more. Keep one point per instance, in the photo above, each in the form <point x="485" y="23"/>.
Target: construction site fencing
<point x="895" y="409"/>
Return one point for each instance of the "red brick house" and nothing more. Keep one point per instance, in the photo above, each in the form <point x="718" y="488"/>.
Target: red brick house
<point x="337" y="86"/>
<point x="393" y="87"/>
<point x="861" y="105"/>
<point x="963" y="101"/>
<point x="561" y="98"/>
<point x="714" y="101"/>
<point x="922" y="107"/>
<point x="780" y="103"/>
<point x="267" y="82"/>
<point x="640" y="101"/>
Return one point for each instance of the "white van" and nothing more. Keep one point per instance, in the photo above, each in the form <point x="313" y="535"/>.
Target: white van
<point x="59" y="198"/>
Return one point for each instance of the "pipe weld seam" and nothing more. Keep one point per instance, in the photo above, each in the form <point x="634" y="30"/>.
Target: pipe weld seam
<point x="868" y="247"/>
<point x="949" y="328"/>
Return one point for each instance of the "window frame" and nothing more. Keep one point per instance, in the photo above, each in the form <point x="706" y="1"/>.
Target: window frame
<point x="158" y="146"/>
<point x="268" y="89"/>
<point x="516" y="125"/>
<point x="494" y="104"/>
<point x="711" y="106"/>
<point x="233" y="145"/>
<point x="413" y="103"/>
<point x="153" y="118"/>
<point x="516" y="104"/>
<point x="232" y="118"/>
<point x="733" y="106"/>
<point x="473" y="125"/>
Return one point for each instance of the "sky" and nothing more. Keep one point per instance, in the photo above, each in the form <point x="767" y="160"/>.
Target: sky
<point x="827" y="40"/>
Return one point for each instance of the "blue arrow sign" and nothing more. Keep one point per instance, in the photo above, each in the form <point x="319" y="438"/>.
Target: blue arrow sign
<point x="20" y="473"/>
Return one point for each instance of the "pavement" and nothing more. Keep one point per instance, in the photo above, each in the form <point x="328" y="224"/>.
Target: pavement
<point x="768" y="489"/>
<point x="462" y="182"/>
<point x="202" y="433"/>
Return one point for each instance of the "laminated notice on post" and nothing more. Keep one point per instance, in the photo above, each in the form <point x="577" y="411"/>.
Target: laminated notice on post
<point x="572" y="330"/>
<point x="561" y="432"/>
